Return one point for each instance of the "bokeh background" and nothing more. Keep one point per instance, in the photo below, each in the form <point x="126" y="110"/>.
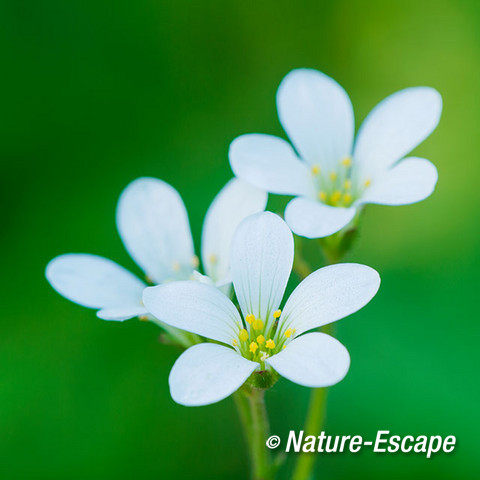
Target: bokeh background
<point x="96" y="93"/>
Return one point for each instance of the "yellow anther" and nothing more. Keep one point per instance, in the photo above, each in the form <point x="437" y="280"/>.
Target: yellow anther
<point x="212" y="258"/>
<point x="322" y="196"/>
<point x="294" y="330"/>
<point x="288" y="332"/>
<point x="143" y="318"/>
<point x="276" y="314"/>
<point x="250" y="318"/>
<point x="347" y="162"/>
<point x="176" y="266"/>
<point x="270" y="344"/>
<point x="347" y="198"/>
<point x="234" y="342"/>
<point x="333" y="176"/>
<point x="347" y="184"/>
<point x="284" y="347"/>
<point x="335" y="197"/>
<point x="260" y="339"/>
<point x="253" y="347"/>
<point x="243" y="335"/>
<point x="315" y="170"/>
<point x="367" y="183"/>
<point x="257" y="324"/>
<point x="195" y="261"/>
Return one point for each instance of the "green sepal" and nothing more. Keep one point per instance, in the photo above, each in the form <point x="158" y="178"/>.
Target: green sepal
<point x="263" y="379"/>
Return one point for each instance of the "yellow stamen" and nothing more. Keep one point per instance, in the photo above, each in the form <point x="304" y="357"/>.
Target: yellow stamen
<point x="243" y="335"/>
<point x="347" y="198"/>
<point x="288" y="332"/>
<point x="212" y="258"/>
<point x="284" y="347"/>
<point x="368" y="182"/>
<point x="234" y="342"/>
<point x="250" y="318"/>
<point x="143" y="318"/>
<point x="347" y="162"/>
<point x="315" y="170"/>
<point x="333" y="176"/>
<point x="195" y="261"/>
<point x="257" y="324"/>
<point x="270" y="344"/>
<point x="322" y="196"/>
<point x="277" y="313"/>
<point x="335" y="197"/>
<point x="260" y="339"/>
<point x="347" y="184"/>
<point x="176" y="266"/>
<point x="253" y="347"/>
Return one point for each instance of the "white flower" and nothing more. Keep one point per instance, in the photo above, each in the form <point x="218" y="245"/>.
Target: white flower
<point x="265" y="338"/>
<point x="153" y="224"/>
<point x="331" y="176"/>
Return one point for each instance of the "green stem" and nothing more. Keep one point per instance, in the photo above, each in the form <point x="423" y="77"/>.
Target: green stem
<point x="260" y="454"/>
<point x="313" y="426"/>
<point x="314" y="423"/>
<point x="243" y="408"/>
<point x="253" y="415"/>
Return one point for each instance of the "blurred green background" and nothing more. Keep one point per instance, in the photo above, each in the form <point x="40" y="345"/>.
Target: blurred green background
<point x="95" y="94"/>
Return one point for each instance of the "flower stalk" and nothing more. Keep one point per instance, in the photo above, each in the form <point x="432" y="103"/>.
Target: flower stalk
<point x="253" y="416"/>
<point x="260" y="454"/>
<point x="313" y="425"/>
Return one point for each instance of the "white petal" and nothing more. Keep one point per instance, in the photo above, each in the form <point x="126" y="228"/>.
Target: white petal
<point x="269" y="163"/>
<point x="262" y="258"/>
<point x="153" y="224"/>
<point x="224" y="285"/>
<point x="395" y="127"/>
<point x="329" y="294"/>
<point x="312" y="360"/>
<point x="208" y="373"/>
<point x="412" y="180"/>
<point x="194" y="307"/>
<point x="317" y="115"/>
<point x="236" y="201"/>
<point x="96" y="282"/>
<point x="226" y="282"/>
<point x="120" y="314"/>
<point x="312" y="219"/>
<point x="199" y="277"/>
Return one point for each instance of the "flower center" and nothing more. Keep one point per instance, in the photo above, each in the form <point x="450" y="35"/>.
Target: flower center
<point x="335" y="188"/>
<point x="257" y="341"/>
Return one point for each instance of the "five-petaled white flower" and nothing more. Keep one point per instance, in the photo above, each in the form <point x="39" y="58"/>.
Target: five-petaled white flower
<point x="265" y="338"/>
<point x="153" y="224"/>
<point x="331" y="176"/>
